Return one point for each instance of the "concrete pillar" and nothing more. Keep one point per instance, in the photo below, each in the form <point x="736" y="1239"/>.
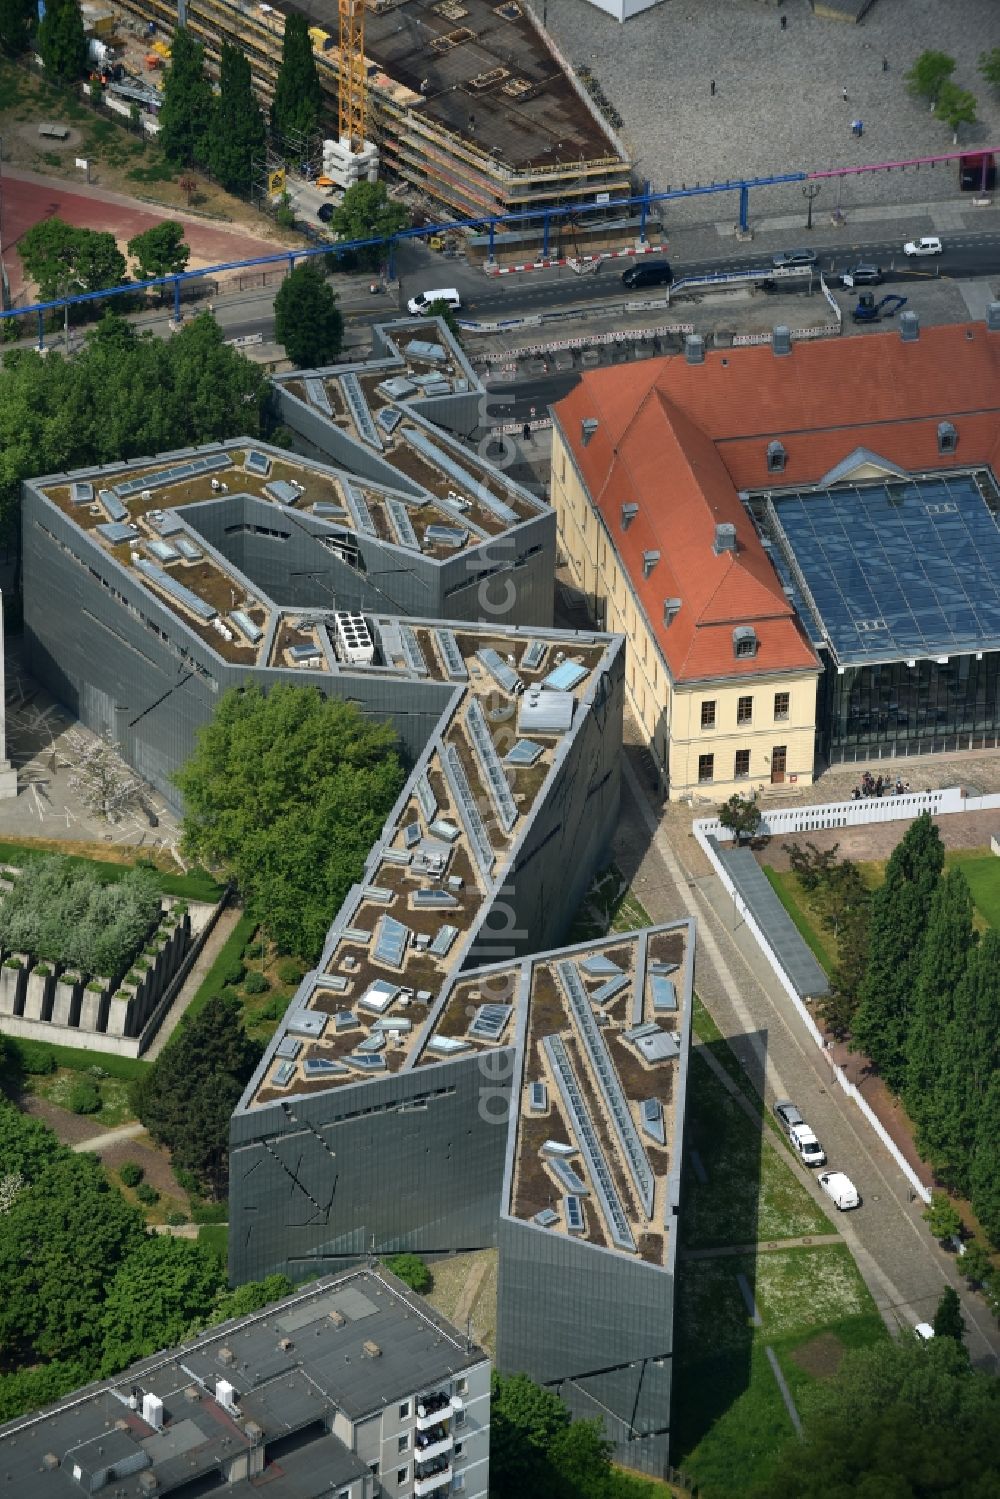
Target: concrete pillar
<point x="66" y="1005"/>
<point x="121" y="1008"/>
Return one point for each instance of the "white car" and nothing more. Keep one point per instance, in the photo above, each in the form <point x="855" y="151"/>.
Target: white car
<point x="840" y="1189"/>
<point x="929" y="244"/>
<point x="924" y="1330"/>
<point x="801" y="1138"/>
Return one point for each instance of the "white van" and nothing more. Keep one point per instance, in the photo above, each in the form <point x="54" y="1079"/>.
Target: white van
<point x="447" y="294"/>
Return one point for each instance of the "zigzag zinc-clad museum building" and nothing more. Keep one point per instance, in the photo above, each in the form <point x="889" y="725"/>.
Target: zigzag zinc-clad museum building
<point x="800" y="544"/>
<point x="446" y="1078"/>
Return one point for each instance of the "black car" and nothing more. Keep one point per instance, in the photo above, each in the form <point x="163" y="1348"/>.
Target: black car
<point x="325" y="212"/>
<point x="863" y="275"/>
<point x="788" y="258"/>
<point x="648" y="273"/>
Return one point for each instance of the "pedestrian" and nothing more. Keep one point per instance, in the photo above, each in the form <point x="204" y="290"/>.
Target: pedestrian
<point x="784" y="23"/>
<point x="711" y="88"/>
<point x="526" y="432"/>
<point x="843" y="94"/>
<point x="885" y="65"/>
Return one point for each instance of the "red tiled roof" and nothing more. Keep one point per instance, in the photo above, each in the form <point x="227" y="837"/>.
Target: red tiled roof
<point x="680" y="440"/>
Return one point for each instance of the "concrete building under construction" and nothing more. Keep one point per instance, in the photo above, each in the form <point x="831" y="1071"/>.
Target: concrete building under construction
<point x="467" y="100"/>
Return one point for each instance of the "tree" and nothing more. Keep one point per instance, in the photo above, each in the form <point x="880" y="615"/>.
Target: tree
<point x="928" y="73"/>
<point x="65" y="261"/>
<point x="307" y="320"/>
<point x="286" y="793"/>
<point x="984" y="1168"/>
<point x="439" y="308"/>
<point x="367" y="212"/>
<point x="15" y="25"/>
<point x="188" y="1094"/>
<point x="903" y="1420"/>
<point x="61" y="40"/>
<point x="524" y="1423"/>
<point x="160" y="1294"/>
<point x="61" y="1242"/>
<point x="298" y="96"/>
<point x="948" y="1319"/>
<point x="899" y="914"/>
<point x="188" y="103"/>
<point x="969" y="1062"/>
<point x="411" y="1269"/>
<point x="942" y="1216"/>
<point x="955" y="106"/>
<point x="949" y="939"/>
<point x="741" y="815"/>
<point x="237" y="133"/>
<point x="976" y="1264"/>
<point x="160" y="251"/>
<point x="989" y="66"/>
<point x="251" y="1297"/>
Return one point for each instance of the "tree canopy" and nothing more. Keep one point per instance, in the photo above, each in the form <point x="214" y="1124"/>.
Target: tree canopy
<point x="65" y="261"/>
<point x="307" y="320"/>
<point x="741" y="815"/>
<point x="928" y="73"/>
<point x="62" y="911"/>
<point x="61" y="40"/>
<point x="904" y="1420"/>
<point x="159" y="1294"/>
<point x="955" y="106"/>
<point x="188" y="103"/>
<point x="188" y="1094"/>
<point x="236" y="135"/>
<point x="945" y="954"/>
<point x="286" y="793"/>
<point x="160" y="251"/>
<point x="537" y="1448"/>
<point x="121" y="396"/>
<point x="989" y="66"/>
<point x="16" y="17"/>
<point x="411" y="1269"/>
<point x="367" y="212"/>
<point x="298" y="96"/>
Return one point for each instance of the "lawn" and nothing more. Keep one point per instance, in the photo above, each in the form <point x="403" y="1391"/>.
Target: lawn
<point x="195" y="885"/>
<point x="115" y="1106"/>
<point x="729" y="1420"/>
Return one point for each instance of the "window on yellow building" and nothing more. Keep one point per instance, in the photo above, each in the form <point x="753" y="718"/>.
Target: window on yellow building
<point x="742" y="767"/>
<point x="781" y="705"/>
<point x="708" y="714"/>
<point x="706" y="767"/>
<point x="744" y="710"/>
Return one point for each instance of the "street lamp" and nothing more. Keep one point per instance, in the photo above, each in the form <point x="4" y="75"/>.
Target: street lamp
<point x="809" y="192"/>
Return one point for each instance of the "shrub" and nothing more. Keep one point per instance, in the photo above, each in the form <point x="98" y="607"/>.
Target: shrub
<point x="176" y="1219"/>
<point x="290" y="972"/>
<point x="131" y="1173"/>
<point x="411" y="1269"/>
<point x="210" y="1212"/>
<point x="234" y="975"/>
<point x="85" y="1096"/>
<point x="147" y="1194"/>
<point x="12" y="963"/>
<point x="36" y="1058"/>
<point x="256" y="983"/>
<point x="42" y="970"/>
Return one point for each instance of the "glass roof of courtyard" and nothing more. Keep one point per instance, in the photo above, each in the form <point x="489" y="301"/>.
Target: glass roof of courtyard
<point x="893" y="570"/>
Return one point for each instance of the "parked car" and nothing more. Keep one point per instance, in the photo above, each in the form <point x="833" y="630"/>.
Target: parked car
<point x="786" y="258"/>
<point x="924" y="1330"/>
<point x="649" y="273"/>
<point x="863" y="275"/>
<point x="840" y="1189"/>
<point x="423" y="299"/>
<point x="929" y="244"/>
<point x="802" y="1139"/>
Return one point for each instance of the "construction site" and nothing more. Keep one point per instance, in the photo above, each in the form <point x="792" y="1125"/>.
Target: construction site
<point x="466" y="102"/>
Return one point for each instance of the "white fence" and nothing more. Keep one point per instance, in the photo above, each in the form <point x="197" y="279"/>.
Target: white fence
<point x="807" y="819"/>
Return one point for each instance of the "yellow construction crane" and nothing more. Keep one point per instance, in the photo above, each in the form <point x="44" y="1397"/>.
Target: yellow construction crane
<point x="353" y="81"/>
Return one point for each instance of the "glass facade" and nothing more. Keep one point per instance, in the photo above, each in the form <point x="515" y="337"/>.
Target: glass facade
<point x="873" y="712"/>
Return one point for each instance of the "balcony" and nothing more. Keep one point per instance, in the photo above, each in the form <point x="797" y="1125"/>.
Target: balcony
<point x="438" y="1479"/>
<point x="432" y="1410"/>
<point x="440" y="1442"/>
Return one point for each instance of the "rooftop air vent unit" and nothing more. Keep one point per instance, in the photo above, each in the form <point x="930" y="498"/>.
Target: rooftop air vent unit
<point x="225" y="1394"/>
<point x="776" y="458"/>
<point x="629" y="513"/>
<point x="909" y="327"/>
<point x="694" y="349"/>
<point x="152" y="1411"/>
<point x="781" y="340"/>
<point x="354" y="642"/>
<point x="671" y="609"/>
<point x="993" y="317"/>
<point x="725" y="538"/>
<point x="371" y="1349"/>
<point x="148" y="1482"/>
<point x="226" y="1356"/>
<point x="744" y="641"/>
<point x="947" y="437"/>
<point x="587" y="428"/>
<point x="285" y="1344"/>
<point x="649" y="561"/>
<point x="337" y="1318"/>
<point x="50" y="1461"/>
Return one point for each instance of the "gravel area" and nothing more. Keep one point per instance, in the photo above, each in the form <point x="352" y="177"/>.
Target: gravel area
<point x="778" y="105"/>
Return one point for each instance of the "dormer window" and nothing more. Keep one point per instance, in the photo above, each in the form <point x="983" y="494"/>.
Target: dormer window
<point x="744" y="642"/>
<point x="776" y="457"/>
<point x="629" y="513"/>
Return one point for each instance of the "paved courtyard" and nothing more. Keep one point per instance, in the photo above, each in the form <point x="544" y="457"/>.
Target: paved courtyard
<point x="778" y="105"/>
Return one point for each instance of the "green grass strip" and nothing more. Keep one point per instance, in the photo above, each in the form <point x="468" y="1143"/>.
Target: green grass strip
<point x="75" y="1058"/>
<point x="196" y="885"/>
